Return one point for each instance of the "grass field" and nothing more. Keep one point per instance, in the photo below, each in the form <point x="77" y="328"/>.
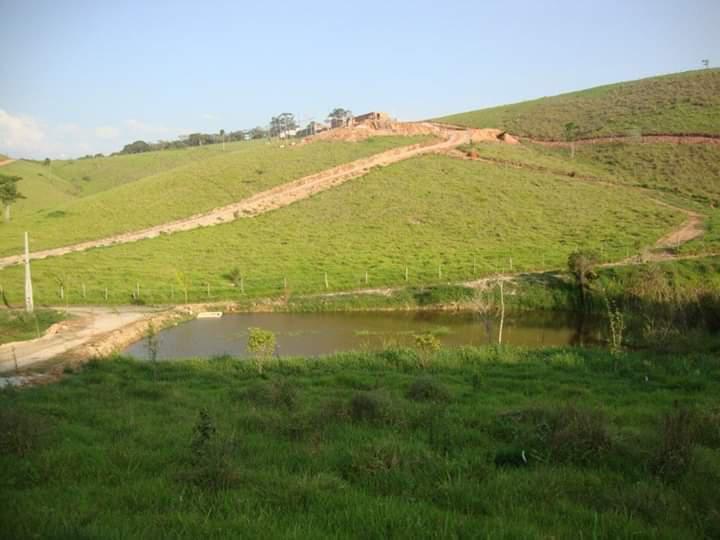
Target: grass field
<point x="471" y="218"/>
<point x="19" y="326"/>
<point x="691" y="171"/>
<point x="678" y="103"/>
<point x="43" y="191"/>
<point x="197" y="186"/>
<point x="369" y="446"/>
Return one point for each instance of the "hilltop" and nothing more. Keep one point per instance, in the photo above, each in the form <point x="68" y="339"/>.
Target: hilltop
<point x="678" y="103"/>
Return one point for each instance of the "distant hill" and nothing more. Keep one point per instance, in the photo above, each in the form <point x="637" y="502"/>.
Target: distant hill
<point x="679" y="103"/>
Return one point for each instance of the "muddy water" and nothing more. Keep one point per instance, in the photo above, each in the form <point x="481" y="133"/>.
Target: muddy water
<point x="313" y="334"/>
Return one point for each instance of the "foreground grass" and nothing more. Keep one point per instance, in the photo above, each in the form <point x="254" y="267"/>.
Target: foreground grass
<point x="678" y="103"/>
<point x="19" y="326"/>
<point x="462" y="220"/>
<point x="197" y="186"/>
<point x="369" y="446"/>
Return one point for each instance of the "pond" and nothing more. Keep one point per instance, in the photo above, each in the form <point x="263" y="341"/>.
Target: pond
<point x="314" y="334"/>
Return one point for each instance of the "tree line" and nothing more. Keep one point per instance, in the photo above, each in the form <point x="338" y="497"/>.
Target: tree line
<point x="282" y="125"/>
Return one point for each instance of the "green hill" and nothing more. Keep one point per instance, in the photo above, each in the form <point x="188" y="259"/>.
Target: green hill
<point x="197" y="186"/>
<point x="439" y="217"/>
<point x="42" y="189"/>
<point x="93" y="175"/>
<point x="678" y="103"/>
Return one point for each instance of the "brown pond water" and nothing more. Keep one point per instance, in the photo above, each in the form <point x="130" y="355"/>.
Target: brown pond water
<point x="314" y="334"/>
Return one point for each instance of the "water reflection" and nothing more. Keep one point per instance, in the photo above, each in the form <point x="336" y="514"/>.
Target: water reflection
<point x="312" y="334"/>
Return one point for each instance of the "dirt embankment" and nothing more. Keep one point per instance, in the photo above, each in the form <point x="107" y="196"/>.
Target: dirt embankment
<point x="6" y="162"/>
<point x="408" y="129"/>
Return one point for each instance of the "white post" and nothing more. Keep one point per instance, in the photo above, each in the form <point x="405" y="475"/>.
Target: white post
<point x="502" y="312"/>
<point x="29" y="305"/>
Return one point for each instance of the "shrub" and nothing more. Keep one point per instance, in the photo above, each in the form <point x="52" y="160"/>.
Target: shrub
<point x="210" y="464"/>
<point x="567" y="435"/>
<point x="579" y="436"/>
<point x="368" y="407"/>
<point x="261" y="345"/>
<point x="428" y="345"/>
<point x="427" y="389"/>
<point x="20" y="432"/>
<point x="280" y="393"/>
<point x="673" y="456"/>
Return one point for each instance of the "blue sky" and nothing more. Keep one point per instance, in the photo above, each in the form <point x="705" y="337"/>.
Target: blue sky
<point x="85" y="77"/>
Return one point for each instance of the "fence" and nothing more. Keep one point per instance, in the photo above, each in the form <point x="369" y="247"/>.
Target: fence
<point x="154" y="288"/>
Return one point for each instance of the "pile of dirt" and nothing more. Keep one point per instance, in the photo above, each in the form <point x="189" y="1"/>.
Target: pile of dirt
<point x="378" y="128"/>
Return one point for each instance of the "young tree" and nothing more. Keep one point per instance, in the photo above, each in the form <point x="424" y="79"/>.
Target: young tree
<point x="571" y="133"/>
<point x="261" y="344"/>
<point x="582" y="265"/>
<point x="9" y="192"/>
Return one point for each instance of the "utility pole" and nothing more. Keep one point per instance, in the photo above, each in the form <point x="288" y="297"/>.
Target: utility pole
<point x="29" y="307"/>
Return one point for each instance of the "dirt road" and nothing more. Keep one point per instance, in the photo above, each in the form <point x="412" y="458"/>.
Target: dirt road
<point x="86" y="324"/>
<point x="6" y="162"/>
<point x="264" y="201"/>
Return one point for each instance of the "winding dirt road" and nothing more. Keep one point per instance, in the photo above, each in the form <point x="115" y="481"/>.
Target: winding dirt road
<point x="271" y="199"/>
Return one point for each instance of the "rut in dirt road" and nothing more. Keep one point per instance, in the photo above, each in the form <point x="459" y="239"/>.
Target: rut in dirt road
<point x="265" y="201"/>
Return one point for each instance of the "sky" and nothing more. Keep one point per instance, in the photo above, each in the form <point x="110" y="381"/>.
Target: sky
<point x="80" y="77"/>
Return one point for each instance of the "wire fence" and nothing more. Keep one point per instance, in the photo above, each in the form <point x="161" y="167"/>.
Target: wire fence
<point x="86" y="287"/>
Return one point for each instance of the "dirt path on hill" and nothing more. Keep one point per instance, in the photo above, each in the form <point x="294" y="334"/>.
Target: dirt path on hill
<point x="265" y="201"/>
<point x="669" y="138"/>
<point x="6" y="162"/>
<point x="643" y="139"/>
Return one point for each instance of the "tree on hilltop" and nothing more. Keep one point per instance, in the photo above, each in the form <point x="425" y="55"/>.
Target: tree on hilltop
<point x="9" y="192"/>
<point x="340" y="114"/>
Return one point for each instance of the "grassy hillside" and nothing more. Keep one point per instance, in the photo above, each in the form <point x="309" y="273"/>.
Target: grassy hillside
<point x="369" y="446"/>
<point x="180" y="192"/>
<point x="99" y="174"/>
<point x="690" y="171"/>
<point x="471" y="218"/>
<point x="678" y="103"/>
<point x="43" y="190"/>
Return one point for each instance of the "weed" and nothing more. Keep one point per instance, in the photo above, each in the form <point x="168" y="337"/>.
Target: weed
<point x="20" y="432"/>
<point x="673" y="455"/>
<point x="427" y="389"/>
<point x="369" y="407"/>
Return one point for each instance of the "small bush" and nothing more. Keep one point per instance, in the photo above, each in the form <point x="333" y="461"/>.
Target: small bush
<point x="261" y="345"/>
<point x="566" y="435"/>
<point x="368" y="407"/>
<point x="579" y="436"/>
<point x="20" y="432"/>
<point x="280" y="393"/>
<point x="427" y="389"/>
<point x="210" y="464"/>
<point x="673" y="456"/>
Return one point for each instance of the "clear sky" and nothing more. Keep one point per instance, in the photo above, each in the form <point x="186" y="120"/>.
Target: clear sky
<point x="84" y="77"/>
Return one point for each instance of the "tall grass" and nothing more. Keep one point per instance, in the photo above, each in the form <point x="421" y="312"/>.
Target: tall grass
<point x="514" y="443"/>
